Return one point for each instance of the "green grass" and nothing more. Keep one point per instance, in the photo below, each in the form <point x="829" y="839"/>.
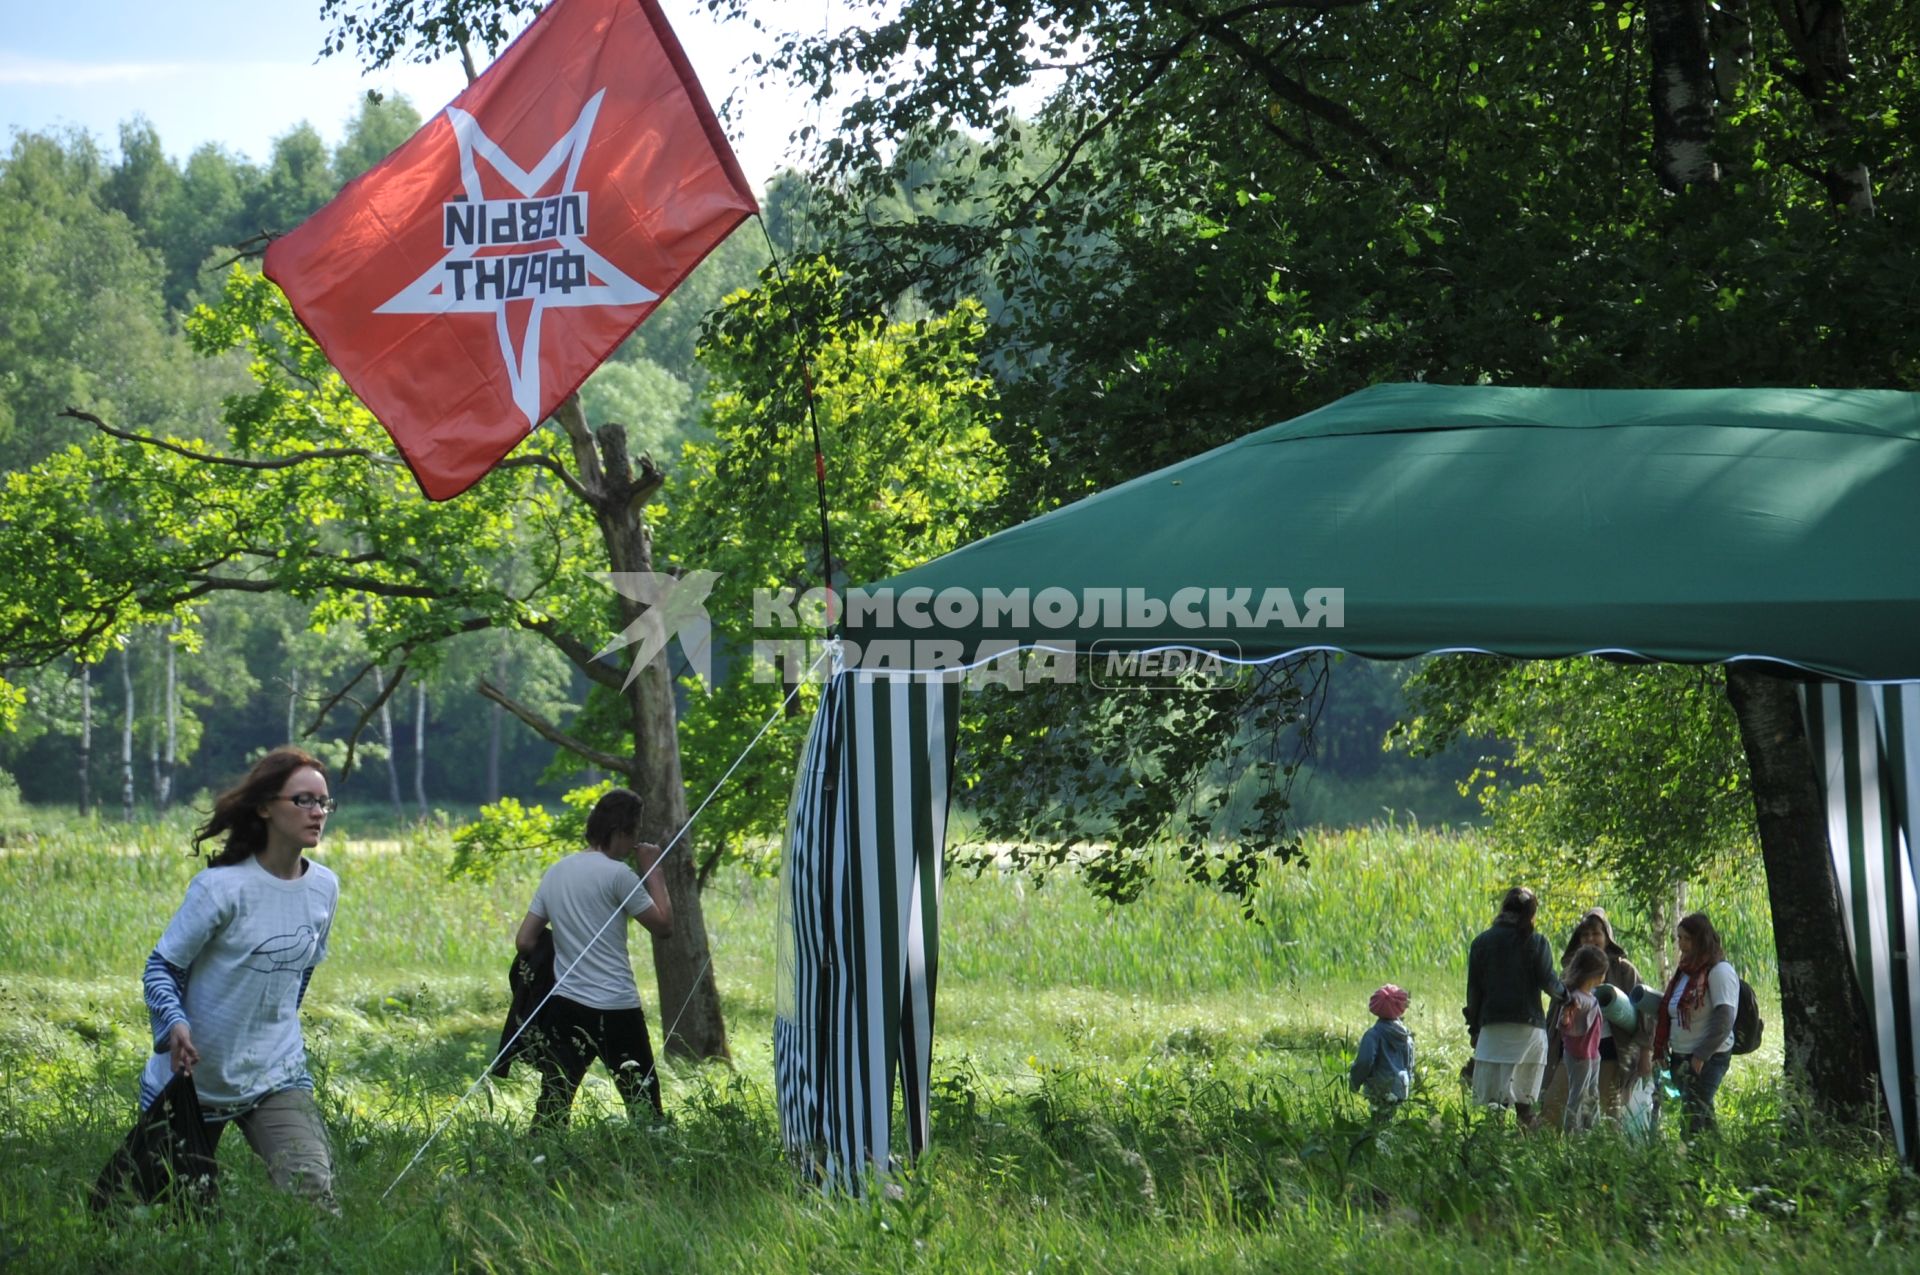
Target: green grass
<point x="1152" y="1088"/>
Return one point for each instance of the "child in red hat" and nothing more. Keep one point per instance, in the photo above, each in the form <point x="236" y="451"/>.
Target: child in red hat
<point x="1384" y="1066"/>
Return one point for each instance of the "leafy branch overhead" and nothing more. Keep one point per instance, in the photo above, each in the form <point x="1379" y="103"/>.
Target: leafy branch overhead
<point x="306" y="501"/>
<point x="1626" y="772"/>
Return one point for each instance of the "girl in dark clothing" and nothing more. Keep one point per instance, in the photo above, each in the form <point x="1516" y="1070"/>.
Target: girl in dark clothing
<point x="1617" y="1056"/>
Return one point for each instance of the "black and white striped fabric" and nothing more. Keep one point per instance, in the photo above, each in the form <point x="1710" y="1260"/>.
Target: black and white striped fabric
<point x="859" y="957"/>
<point x="1868" y="759"/>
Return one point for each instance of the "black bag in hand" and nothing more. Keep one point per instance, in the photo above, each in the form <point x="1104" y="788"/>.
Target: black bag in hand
<point x="166" y="1158"/>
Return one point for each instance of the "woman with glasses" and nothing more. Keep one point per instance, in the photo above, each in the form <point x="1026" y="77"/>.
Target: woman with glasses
<point x="225" y="982"/>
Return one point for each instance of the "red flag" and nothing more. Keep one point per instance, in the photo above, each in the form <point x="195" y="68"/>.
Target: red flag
<point x="472" y="280"/>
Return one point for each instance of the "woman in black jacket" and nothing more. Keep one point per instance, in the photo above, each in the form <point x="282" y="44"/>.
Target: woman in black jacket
<point x="1509" y="968"/>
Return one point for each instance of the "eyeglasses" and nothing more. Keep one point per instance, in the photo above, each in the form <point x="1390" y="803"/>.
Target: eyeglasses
<point x="307" y="801"/>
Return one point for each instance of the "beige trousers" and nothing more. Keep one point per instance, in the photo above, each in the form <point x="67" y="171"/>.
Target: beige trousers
<point x="285" y="1130"/>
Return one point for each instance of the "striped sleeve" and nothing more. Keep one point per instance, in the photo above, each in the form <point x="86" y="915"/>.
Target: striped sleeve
<point x="165" y="985"/>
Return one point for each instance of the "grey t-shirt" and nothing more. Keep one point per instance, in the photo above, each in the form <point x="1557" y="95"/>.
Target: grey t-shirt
<point x="578" y="896"/>
<point x="245" y="937"/>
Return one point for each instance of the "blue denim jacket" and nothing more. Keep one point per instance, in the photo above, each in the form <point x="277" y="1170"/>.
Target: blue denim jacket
<point x="1384" y="1065"/>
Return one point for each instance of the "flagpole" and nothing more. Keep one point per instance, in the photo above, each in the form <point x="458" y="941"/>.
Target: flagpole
<point x="819" y="452"/>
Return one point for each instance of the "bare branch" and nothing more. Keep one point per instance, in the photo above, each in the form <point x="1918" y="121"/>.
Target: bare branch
<point x="338" y="695"/>
<point x="580" y="654"/>
<point x="366" y="715"/>
<point x="540" y="460"/>
<point x="554" y="735"/>
<point x="215" y="458"/>
<point x="252" y="246"/>
<point x="364" y="584"/>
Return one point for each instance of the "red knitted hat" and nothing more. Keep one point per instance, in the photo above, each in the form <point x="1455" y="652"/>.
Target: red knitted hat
<point x="1388" y="1002"/>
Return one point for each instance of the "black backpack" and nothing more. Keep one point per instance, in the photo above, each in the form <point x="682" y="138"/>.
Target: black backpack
<point x="1747" y="1023"/>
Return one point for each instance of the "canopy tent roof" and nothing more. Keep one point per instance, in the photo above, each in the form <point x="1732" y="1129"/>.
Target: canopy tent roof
<point x="1691" y="526"/>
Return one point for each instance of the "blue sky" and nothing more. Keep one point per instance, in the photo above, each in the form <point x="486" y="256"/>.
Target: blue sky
<point x="243" y="72"/>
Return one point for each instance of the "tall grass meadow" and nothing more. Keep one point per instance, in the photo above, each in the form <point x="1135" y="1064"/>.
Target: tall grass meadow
<point x="1157" y="1087"/>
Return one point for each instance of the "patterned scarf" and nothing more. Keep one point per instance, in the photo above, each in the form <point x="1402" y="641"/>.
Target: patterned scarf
<point x="1693" y="998"/>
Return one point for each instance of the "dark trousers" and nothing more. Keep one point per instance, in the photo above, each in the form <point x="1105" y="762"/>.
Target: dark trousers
<point x="1696" y="1092"/>
<point x="570" y="1036"/>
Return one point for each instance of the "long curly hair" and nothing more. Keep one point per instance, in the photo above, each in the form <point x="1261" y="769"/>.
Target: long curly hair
<point x="1707" y="948"/>
<point x="236" y="812"/>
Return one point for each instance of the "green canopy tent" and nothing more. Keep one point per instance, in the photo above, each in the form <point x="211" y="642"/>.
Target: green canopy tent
<point x="1692" y="526"/>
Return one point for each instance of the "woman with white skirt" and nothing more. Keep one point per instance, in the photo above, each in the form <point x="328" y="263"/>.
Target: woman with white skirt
<point x="1509" y="968"/>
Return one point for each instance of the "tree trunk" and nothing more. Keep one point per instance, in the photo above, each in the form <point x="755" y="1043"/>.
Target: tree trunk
<point x="1661" y="918"/>
<point x="1827" y="1043"/>
<point x="86" y="739"/>
<point x="170" y="757"/>
<point x="1667" y="911"/>
<point x="293" y="701"/>
<point x="682" y="962"/>
<point x="393" y="759"/>
<point x="1730" y="35"/>
<point x="689" y="1005"/>
<point x="1817" y="30"/>
<point x="155" y="712"/>
<point x="126" y="736"/>
<point x="1683" y="92"/>
<point x="420" y="749"/>
<point x="493" y="737"/>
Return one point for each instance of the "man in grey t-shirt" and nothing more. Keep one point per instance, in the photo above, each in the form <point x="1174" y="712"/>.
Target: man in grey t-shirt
<point x="594" y="1011"/>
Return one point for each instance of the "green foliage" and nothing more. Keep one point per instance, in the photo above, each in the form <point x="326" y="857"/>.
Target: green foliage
<point x="309" y="504"/>
<point x="508" y="832"/>
<point x="649" y="400"/>
<point x="105" y="248"/>
<point x="906" y="420"/>
<point x="84" y="323"/>
<point x="1243" y="211"/>
<point x="382" y="32"/>
<point x="297" y="181"/>
<point x="1060" y="774"/>
<point x="376" y="131"/>
<point x="1628" y="773"/>
<point x="905" y="417"/>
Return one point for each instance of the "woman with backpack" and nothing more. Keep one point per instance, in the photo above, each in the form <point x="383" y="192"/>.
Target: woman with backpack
<point x="1695" y="1031"/>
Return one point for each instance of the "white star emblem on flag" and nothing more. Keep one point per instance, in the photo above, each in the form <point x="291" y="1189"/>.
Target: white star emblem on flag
<point x="443" y="287"/>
